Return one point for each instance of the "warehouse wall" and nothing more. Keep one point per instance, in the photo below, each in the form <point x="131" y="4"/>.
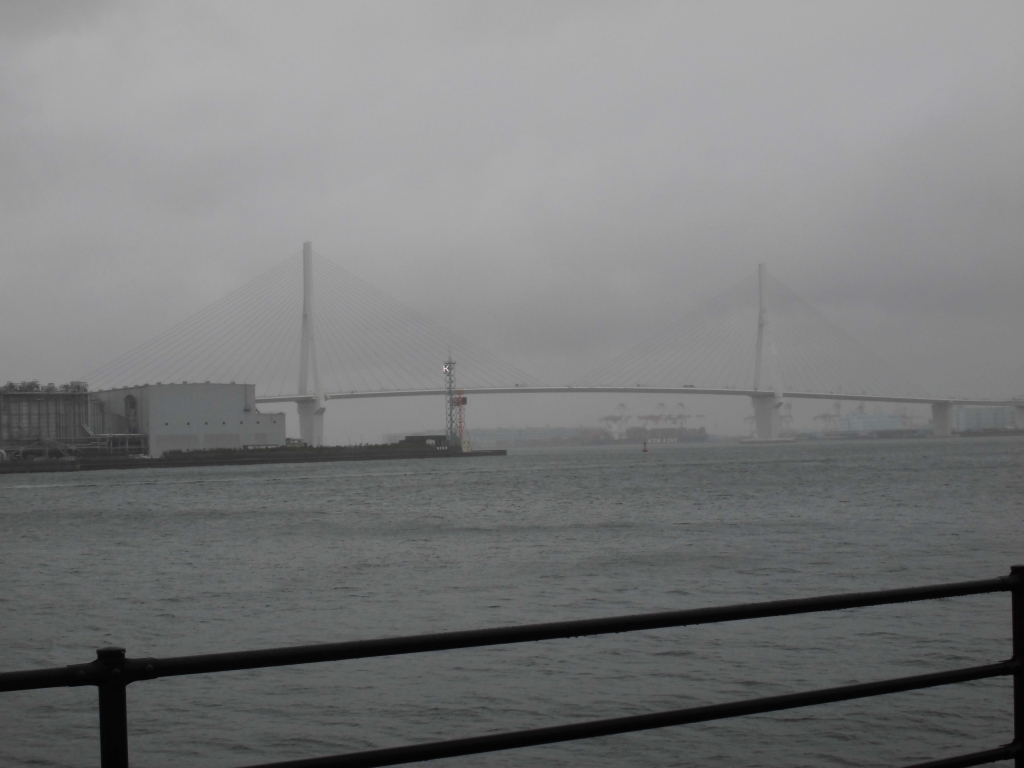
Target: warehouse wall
<point x="196" y="416"/>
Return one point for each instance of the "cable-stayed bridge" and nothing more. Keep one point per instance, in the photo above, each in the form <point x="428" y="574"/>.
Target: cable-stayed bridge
<point x="335" y="337"/>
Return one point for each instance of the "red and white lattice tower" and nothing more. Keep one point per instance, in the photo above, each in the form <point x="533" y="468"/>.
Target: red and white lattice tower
<point x="455" y="423"/>
<point x="460" y="418"/>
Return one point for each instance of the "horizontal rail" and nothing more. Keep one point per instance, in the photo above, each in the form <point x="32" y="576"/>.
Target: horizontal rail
<point x="1005" y="752"/>
<point x="148" y="669"/>
<point x="57" y="677"/>
<point x="594" y="728"/>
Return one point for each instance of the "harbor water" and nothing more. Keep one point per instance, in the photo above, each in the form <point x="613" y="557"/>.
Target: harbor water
<point x="201" y="560"/>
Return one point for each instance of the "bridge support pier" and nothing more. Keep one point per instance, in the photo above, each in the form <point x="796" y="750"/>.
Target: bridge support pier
<point x="766" y="415"/>
<point x="942" y="419"/>
<point x="311" y="422"/>
<point x="1019" y="416"/>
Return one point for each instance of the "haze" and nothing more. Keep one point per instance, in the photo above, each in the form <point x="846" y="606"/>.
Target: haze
<point x="553" y="181"/>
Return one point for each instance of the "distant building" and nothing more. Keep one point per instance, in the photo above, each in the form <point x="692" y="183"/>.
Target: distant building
<point x="188" y="417"/>
<point x="977" y="418"/>
<point x="867" y="423"/>
<point x="32" y="413"/>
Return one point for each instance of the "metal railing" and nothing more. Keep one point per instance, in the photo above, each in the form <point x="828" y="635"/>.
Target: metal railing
<point x="112" y="672"/>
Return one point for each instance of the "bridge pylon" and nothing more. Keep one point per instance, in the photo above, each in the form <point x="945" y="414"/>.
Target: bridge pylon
<point x="311" y="412"/>
<point x="766" y="370"/>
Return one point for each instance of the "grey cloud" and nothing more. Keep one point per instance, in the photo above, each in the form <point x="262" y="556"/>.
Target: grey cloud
<point x="23" y="22"/>
<point x="588" y="172"/>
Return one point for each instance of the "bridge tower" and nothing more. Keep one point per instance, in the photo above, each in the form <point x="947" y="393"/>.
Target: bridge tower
<point x="766" y="406"/>
<point x="311" y="412"/>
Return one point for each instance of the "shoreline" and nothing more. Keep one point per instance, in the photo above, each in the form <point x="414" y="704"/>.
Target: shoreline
<point x="313" y="456"/>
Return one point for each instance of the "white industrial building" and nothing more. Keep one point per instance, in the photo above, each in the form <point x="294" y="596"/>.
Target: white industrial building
<point x="189" y="417"/>
<point x="975" y="419"/>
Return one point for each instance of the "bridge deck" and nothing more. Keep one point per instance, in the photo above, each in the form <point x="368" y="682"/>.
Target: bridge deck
<point x="637" y="390"/>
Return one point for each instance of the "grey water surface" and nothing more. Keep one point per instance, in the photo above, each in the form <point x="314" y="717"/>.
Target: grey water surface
<point x="174" y="562"/>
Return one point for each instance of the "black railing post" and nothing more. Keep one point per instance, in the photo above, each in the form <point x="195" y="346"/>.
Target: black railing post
<point x="1017" y="607"/>
<point x="113" y="709"/>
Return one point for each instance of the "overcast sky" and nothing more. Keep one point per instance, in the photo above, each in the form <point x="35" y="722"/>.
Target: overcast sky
<point x="554" y="180"/>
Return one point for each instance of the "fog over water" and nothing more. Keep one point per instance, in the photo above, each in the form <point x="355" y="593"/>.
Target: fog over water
<point x="556" y="182"/>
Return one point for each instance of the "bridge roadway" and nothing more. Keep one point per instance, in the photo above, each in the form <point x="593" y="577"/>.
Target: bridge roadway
<point x="948" y="401"/>
<point x="766" y="403"/>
